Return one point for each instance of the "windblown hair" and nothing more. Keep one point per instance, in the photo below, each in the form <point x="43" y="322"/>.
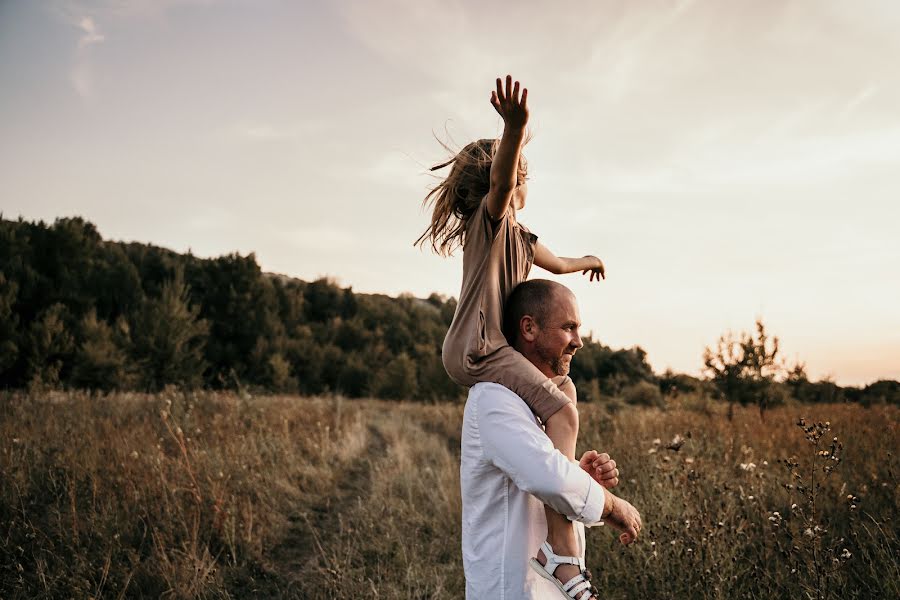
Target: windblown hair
<point x="455" y="198"/>
<point x="532" y="298"/>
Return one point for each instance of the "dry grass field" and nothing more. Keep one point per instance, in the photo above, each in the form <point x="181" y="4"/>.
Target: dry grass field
<point x="220" y="496"/>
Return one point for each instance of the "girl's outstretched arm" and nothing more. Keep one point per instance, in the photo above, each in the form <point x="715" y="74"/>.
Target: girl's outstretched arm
<point x="558" y="265"/>
<point x="505" y="166"/>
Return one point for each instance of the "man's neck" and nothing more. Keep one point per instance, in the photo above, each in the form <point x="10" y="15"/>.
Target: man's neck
<point x="532" y="356"/>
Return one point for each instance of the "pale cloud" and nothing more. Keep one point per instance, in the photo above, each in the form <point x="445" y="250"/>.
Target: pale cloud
<point x="81" y="76"/>
<point x="395" y="168"/>
<point x="797" y="160"/>
<point x="315" y="238"/>
<point x="107" y="10"/>
<point x="81" y="73"/>
<point x="858" y="99"/>
<point x="85" y="16"/>
<point x="90" y="33"/>
<point x="265" y="131"/>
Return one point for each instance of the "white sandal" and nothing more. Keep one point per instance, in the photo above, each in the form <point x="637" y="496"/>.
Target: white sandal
<point x="572" y="587"/>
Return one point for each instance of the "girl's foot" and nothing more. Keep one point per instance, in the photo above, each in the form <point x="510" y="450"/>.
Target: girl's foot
<point x="566" y="572"/>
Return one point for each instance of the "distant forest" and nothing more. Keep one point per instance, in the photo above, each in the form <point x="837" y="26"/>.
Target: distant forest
<point x="79" y="312"/>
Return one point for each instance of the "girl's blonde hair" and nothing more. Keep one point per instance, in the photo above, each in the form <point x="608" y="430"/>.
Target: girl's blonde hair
<point x="455" y="198"/>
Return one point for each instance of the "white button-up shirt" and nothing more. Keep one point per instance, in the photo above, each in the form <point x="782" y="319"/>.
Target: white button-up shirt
<point x="508" y="470"/>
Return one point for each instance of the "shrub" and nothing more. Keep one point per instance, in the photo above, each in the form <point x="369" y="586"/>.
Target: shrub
<point x="644" y="393"/>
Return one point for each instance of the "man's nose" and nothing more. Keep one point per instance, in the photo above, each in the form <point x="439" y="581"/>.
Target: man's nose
<point x="577" y="343"/>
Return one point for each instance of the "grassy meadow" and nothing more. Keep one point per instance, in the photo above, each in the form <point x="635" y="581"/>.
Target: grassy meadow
<point x="214" y="495"/>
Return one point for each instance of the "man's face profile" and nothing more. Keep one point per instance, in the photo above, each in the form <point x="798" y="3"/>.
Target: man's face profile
<point x="557" y="339"/>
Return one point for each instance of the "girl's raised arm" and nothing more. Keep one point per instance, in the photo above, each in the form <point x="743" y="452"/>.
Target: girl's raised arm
<point x="505" y="166"/>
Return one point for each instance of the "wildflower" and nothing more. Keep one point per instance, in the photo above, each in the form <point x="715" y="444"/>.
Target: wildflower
<point x="676" y="443"/>
<point x="748" y="466"/>
<point x="846" y="554"/>
<point x="809" y="533"/>
<point x="134" y="454"/>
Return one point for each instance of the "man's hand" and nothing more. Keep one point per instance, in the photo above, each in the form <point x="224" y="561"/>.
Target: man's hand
<point x="601" y="468"/>
<point x="624" y="517"/>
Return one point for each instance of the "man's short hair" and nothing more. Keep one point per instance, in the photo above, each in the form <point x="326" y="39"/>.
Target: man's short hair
<point x="532" y="298"/>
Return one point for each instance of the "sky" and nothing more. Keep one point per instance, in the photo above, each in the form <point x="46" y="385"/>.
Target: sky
<point x="727" y="161"/>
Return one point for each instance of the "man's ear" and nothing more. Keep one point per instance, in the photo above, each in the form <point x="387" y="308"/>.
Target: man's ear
<point x="528" y="328"/>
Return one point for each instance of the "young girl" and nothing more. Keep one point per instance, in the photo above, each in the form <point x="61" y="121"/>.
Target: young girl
<point x="475" y="207"/>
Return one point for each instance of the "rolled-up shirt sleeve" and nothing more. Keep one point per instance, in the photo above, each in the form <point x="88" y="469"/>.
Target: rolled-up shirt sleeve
<point x="514" y="443"/>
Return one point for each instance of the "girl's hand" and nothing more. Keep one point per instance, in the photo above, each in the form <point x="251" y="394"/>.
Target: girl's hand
<point x="513" y="109"/>
<point x="595" y="268"/>
<point x="601" y="468"/>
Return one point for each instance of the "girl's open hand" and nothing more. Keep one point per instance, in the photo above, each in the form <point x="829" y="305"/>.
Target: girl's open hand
<point x="511" y="107"/>
<point x="596" y="268"/>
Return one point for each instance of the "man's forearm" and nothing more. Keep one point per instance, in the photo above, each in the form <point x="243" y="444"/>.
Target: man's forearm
<point x="515" y="445"/>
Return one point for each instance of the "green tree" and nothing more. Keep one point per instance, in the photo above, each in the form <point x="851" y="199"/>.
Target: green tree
<point x="744" y="370"/>
<point x="168" y="338"/>
<point x="101" y="360"/>
<point x="280" y="378"/>
<point x="397" y="380"/>
<point x="9" y="325"/>
<point x="49" y="347"/>
<point x="798" y="383"/>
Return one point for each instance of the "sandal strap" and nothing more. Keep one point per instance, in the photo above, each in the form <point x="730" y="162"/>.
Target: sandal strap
<point x="554" y="560"/>
<point x="578" y="587"/>
<point x="579" y="583"/>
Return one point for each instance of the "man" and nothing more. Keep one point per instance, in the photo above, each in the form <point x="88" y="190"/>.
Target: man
<point x="509" y="468"/>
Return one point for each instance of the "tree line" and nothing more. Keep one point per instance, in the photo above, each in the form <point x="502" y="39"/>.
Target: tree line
<point x="77" y="311"/>
<point x="80" y="312"/>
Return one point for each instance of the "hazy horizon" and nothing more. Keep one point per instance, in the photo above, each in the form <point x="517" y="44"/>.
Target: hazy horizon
<point x="727" y="162"/>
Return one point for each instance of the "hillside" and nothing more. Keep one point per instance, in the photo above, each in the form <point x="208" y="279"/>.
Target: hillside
<point x="77" y="311"/>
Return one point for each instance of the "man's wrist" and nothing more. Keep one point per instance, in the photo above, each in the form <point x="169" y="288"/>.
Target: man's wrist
<point x="609" y="502"/>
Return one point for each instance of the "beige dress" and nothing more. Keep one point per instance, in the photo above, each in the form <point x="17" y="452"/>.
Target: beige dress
<point x="495" y="260"/>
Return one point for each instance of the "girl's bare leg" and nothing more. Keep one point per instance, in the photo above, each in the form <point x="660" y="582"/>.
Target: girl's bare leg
<point x="562" y="429"/>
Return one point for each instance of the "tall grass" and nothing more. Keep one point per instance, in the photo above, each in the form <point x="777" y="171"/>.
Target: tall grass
<point x="226" y="496"/>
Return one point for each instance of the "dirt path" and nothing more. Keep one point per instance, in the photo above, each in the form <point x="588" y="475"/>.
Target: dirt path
<point x="310" y="532"/>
